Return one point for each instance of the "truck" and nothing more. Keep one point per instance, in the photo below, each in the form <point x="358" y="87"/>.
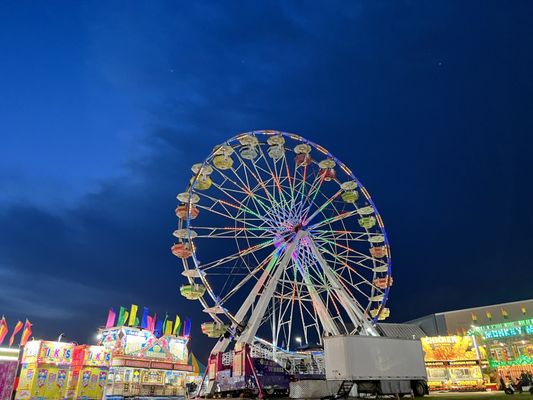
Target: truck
<point x="376" y="365"/>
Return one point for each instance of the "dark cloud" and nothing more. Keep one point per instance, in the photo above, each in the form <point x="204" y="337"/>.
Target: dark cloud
<point x="429" y="105"/>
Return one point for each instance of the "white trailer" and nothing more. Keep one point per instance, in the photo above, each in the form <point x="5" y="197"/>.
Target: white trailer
<point x="376" y="364"/>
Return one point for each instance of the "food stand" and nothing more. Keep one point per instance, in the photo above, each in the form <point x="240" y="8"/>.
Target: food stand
<point x="45" y="369"/>
<point x="509" y="346"/>
<point x="453" y="363"/>
<point x="144" y="365"/>
<point x="88" y="373"/>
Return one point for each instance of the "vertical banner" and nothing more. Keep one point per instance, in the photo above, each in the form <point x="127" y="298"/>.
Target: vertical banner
<point x="168" y="328"/>
<point x="16" y="330"/>
<point x="3" y="329"/>
<point x="121" y="316"/>
<point x="110" y="318"/>
<point x="144" y="320"/>
<point x="26" y="333"/>
<point x="133" y="315"/>
<point x="187" y="327"/>
<point x="177" y="325"/>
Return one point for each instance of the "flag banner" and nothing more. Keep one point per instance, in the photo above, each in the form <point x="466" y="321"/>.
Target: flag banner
<point x="26" y="333"/>
<point x="168" y="328"/>
<point x="187" y="327"/>
<point x="121" y="316"/>
<point x="137" y="322"/>
<point x="152" y="325"/>
<point x="16" y="330"/>
<point x="504" y="313"/>
<point x="165" y="323"/>
<point x="158" y="331"/>
<point x="3" y="329"/>
<point x="177" y="325"/>
<point x="133" y="315"/>
<point x="110" y="318"/>
<point x="144" y="319"/>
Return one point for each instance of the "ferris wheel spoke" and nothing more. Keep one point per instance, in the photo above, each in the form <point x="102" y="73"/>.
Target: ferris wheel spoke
<point x="336" y="218"/>
<point x="255" y="200"/>
<point x="249" y="276"/>
<point x="231" y="232"/>
<point x="235" y="256"/>
<point x="321" y="208"/>
<point x="351" y="269"/>
<point x="240" y="207"/>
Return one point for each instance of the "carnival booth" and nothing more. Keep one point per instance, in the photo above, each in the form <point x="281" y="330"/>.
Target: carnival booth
<point x="453" y="363"/>
<point x="9" y="361"/>
<point x="144" y="365"/>
<point x="88" y="374"/>
<point x="509" y="346"/>
<point x="45" y="369"/>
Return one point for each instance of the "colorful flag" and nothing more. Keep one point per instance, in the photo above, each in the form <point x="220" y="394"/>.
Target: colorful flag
<point x="133" y="315"/>
<point x="110" y="318"/>
<point x="152" y="324"/>
<point x="504" y="313"/>
<point x="158" y="331"/>
<point x="168" y="328"/>
<point x="187" y="327"/>
<point x="121" y="316"/>
<point x="16" y="330"/>
<point x="137" y="323"/>
<point x="26" y="333"/>
<point x="177" y="325"/>
<point x="165" y="323"/>
<point x="3" y="329"/>
<point x="149" y="323"/>
<point x="144" y="320"/>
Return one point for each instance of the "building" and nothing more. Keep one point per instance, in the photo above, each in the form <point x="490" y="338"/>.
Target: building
<point x="500" y="335"/>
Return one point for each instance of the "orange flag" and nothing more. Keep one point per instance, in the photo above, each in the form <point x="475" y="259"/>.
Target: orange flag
<point x="3" y="329"/>
<point x="26" y="333"/>
<point x="16" y="330"/>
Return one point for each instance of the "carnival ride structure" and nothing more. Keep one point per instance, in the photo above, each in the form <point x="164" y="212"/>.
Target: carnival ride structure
<point x="279" y="240"/>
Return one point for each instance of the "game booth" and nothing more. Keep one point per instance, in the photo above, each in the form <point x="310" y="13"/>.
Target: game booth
<point x="509" y="347"/>
<point x="144" y="365"/>
<point x="59" y="370"/>
<point x="454" y="363"/>
<point x="88" y="372"/>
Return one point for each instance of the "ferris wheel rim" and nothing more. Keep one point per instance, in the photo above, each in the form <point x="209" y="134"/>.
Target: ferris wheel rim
<point x="196" y="265"/>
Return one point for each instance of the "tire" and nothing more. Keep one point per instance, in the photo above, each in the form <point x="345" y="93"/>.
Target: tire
<point x="419" y="389"/>
<point x="531" y="390"/>
<point x="508" y="391"/>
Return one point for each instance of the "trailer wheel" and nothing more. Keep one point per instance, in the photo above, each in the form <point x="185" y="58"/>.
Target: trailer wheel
<point x="531" y="390"/>
<point x="419" y="389"/>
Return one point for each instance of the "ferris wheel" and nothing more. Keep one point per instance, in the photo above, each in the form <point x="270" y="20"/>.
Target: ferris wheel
<point x="279" y="239"/>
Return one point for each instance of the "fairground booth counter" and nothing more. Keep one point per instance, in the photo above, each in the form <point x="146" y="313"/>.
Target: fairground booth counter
<point x="144" y="365"/>
<point x="59" y="370"/>
<point x="45" y="369"/>
<point x="454" y="363"/>
<point x="509" y="346"/>
<point x="88" y="372"/>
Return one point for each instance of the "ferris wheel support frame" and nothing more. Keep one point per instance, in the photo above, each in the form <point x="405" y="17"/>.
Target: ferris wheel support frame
<point x="355" y="314"/>
<point x="259" y="311"/>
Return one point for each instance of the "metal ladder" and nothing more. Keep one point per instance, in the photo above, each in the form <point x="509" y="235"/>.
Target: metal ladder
<point x="344" y="389"/>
